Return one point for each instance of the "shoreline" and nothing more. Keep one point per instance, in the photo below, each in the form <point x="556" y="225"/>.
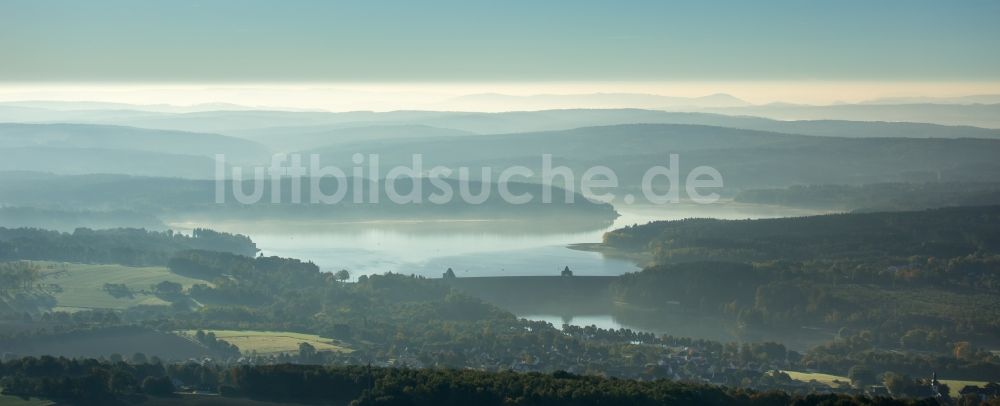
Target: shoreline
<point x="640" y="259"/>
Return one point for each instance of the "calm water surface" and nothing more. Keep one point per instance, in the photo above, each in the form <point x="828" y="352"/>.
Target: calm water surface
<point x="492" y="248"/>
<point x="471" y="248"/>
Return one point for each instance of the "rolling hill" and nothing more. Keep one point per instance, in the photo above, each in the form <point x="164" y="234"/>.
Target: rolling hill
<point x="108" y="137"/>
<point x="746" y="158"/>
<point x="290" y="139"/>
<point x="898" y="120"/>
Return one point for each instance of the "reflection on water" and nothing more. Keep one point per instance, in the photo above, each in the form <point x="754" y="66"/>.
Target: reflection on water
<point x="605" y="321"/>
<point x="502" y="248"/>
<point x="701" y="327"/>
<point x="471" y="248"/>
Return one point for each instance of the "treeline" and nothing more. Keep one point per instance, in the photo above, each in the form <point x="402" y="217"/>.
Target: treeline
<point x="84" y="381"/>
<point x="18" y="277"/>
<point x="813" y="266"/>
<point x="68" y="220"/>
<point x="216" y="345"/>
<point x="288" y="294"/>
<point x="917" y="316"/>
<point x="379" y="386"/>
<point x="878" y="196"/>
<point x="132" y="247"/>
<point x="96" y="382"/>
<point x="700" y="286"/>
<point x="197" y="198"/>
<point x="862" y="349"/>
<point x="914" y="281"/>
<point x="940" y="233"/>
<point x="428" y="323"/>
<point x="404" y="320"/>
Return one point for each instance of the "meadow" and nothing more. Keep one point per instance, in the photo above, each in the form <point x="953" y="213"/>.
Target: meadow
<point x="272" y="342"/>
<point x="826" y="379"/>
<point x="81" y="286"/>
<point x="7" y="400"/>
<point x="954" y="386"/>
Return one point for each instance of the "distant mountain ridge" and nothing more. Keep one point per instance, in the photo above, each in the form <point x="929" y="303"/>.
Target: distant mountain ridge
<point x="495" y="102"/>
<point x="93" y="136"/>
<point x="776" y="154"/>
<point x="257" y="124"/>
<point x="746" y="158"/>
<point x="973" y="99"/>
<point x="91" y="148"/>
<point x="291" y="139"/>
<point x="978" y="115"/>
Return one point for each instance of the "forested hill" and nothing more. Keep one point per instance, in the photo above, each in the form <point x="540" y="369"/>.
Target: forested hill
<point x="186" y="197"/>
<point x="942" y="233"/>
<point x="134" y="247"/>
<point x="877" y="196"/>
<point x="89" y="382"/>
<point x="921" y="280"/>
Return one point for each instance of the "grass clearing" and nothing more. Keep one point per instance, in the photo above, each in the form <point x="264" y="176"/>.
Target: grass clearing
<point x="956" y="385"/>
<point x="81" y="286"/>
<point x="273" y="342"/>
<point x="826" y="379"/>
<point x="8" y="400"/>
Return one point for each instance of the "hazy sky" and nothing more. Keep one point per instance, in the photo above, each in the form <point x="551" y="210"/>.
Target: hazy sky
<point x="344" y="96"/>
<point x="481" y="41"/>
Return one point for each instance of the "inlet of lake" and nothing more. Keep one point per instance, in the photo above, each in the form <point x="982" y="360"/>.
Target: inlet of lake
<point x="484" y="248"/>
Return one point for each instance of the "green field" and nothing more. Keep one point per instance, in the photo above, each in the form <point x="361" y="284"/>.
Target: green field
<point x="184" y="399"/>
<point x="6" y="400"/>
<point x="953" y="385"/>
<point x="826" y="379"/>
<point x="81" y="286"/>
<point x="272" y="342"/>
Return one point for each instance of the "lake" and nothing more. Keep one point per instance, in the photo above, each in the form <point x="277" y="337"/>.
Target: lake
<point x="702" y="327"/>
<point x="495" y="248"/>
<point x="470" y="248"/>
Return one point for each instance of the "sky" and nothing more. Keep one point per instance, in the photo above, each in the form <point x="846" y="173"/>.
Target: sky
<point x="377" y="96"/>
<point x="413" y="54"/>
<point x="504" y="41"/>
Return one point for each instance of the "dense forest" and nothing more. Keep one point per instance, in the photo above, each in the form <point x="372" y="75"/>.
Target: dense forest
<point x="136" y="247"/>
<point x="321" y="198"/>
<point x="908" y="293"/>
<point x="918" y="282"/>
<point x="240" y="202"/>
<point x="91" y="381"/>
<point x="399" y="320"/>
<point x="877" y="197"/>
<point x="882" y="237"/>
